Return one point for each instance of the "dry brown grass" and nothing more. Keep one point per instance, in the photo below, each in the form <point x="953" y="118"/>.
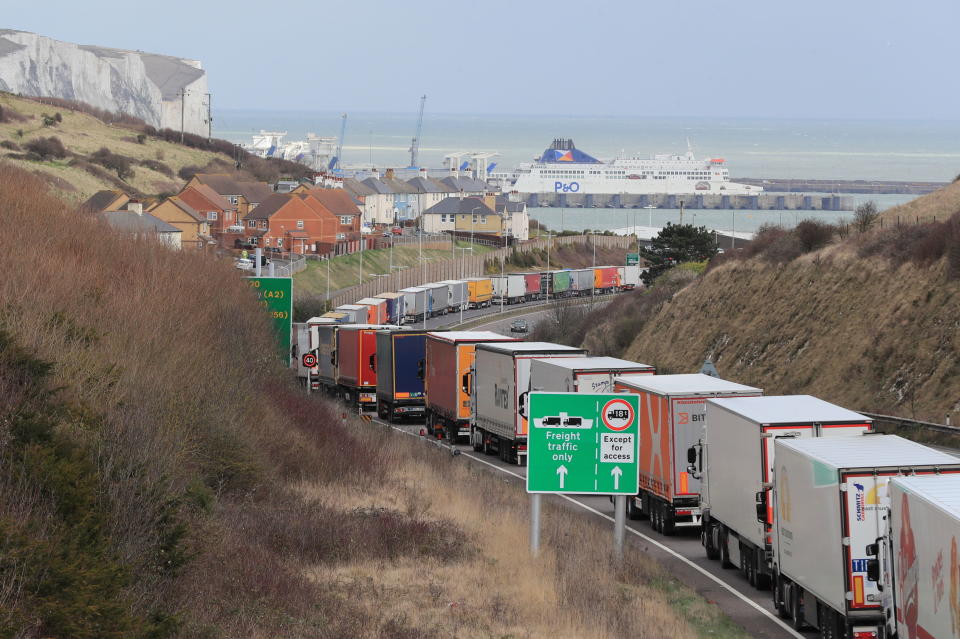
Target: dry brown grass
<point x="498" y="589"/>
<point x="940" y="204"/>
<point x="863" y="333"/>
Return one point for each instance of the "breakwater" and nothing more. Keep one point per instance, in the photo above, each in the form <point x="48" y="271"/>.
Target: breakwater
<point x="769" y="201"/>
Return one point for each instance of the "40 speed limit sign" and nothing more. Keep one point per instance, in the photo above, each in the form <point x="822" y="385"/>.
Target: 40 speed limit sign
<point x="583" y="443"/>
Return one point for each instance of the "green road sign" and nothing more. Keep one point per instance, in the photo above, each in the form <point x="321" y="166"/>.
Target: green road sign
<point x="276" y="296"/>
<point x="633" y="259"/>
<point x="583" y="443"/>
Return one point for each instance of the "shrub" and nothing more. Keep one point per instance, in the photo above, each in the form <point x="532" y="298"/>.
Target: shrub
<point x="187" y="172"/>
<point x="159" y="167"/>
<point x="10" y="145"/>
<point x="49" y="120"/>
<point x="141" y="138"/>
<point x="58" y="117"/>
<point x="813" y="234"/>
<point x="114" y="162"/>
<point x="46" y="148"/>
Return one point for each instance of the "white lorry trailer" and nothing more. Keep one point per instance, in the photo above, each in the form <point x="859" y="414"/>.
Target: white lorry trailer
<point x="582" y="374"/>
<point x="736" y="460"/>
<point x="921" y="583"/>
<point x="830" y="498"/>
<point x="511" y="288"/>
<point x="501" y="382"/>
<point x="458" y="295"/>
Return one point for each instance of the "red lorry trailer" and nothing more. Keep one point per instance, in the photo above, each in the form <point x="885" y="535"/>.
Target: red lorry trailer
<point x="356" y="368"/>
<point x="447" y="384"/>
<point x="671" y="421"/>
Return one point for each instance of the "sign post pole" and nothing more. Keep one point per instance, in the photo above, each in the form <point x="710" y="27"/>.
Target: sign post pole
<point x="535" y="524"/>
<point x="583" y="443"/>
<point x="619" y="525"/>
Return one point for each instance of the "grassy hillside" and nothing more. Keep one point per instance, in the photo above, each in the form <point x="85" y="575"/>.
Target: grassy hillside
<point x="867" y="320"/>
<point x="940" y="204"/>
<point x="139" y="159"/>
<point x="85" y="134"/>
<point x="162" y="476"/>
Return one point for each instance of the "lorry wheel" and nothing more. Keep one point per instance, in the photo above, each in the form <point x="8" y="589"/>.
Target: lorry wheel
<point x="796" y="608"/>
<point x="779" y="603"/>
<point x="709" y="544"/>
<point x="724" y="551"/>
<point x="632" y="512"/>
<point x="667" y="523"/>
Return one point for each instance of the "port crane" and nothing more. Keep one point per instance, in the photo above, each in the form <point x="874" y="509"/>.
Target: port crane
<point x="415" y="142"/>
<point x="335" y="163"/>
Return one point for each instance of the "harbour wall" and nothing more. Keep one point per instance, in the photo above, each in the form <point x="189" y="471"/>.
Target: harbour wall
<point x="770" y="201"/>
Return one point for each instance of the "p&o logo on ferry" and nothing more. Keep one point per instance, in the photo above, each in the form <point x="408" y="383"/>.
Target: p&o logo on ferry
<point x="568" y="187"/>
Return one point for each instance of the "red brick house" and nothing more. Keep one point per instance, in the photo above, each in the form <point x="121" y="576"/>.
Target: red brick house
<point x="216" y="209"/>
<point x="284" y="222"/>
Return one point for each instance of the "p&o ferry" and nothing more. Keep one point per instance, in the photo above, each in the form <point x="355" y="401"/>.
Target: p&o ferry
<point x="563" y="168"/>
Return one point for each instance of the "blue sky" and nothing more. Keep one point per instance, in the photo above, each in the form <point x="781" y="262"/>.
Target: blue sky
<point x="817" y="59"/>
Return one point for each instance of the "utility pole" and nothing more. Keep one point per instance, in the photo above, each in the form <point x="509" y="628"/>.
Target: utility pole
<point x="183" y="107"/>
<point x="209" y="119"/>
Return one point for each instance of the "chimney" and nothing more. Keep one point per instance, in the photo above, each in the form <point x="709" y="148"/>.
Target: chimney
<point x="135" y="206"/>
<point x="389" y="174"/>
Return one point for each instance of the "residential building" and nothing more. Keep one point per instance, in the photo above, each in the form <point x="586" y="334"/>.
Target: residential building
<point x="220" y="214"/>
<point x="194" y="227"/>
<point x="134" y="222"/>
<point x="104" y="201"/>
<point x="469" y="214"/>
<point x="516" y="218"/>
<point x="466" y="186"/>
<point x="386" y="211"/>
<point x="317" y="221"/>
<point x="374" y="206"/>
<point x="341" y="218"/>
<point x="427" y="193"/>
<point x="245" y="195"/>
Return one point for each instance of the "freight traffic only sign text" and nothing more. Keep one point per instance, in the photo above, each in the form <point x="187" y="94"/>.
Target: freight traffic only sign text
<point x="276" y="297"/>
<point x="583" y="443"/>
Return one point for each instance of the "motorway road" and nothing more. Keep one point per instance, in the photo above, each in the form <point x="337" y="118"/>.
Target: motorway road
<point x="681" y="555"/>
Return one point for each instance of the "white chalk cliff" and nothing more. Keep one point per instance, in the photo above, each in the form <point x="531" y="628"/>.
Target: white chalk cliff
<point x="145" y="85"/>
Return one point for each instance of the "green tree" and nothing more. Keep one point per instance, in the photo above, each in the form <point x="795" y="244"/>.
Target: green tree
<point x="675" y="244"/>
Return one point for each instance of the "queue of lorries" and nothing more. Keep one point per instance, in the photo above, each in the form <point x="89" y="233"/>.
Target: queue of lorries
<point x="854" y="532"/>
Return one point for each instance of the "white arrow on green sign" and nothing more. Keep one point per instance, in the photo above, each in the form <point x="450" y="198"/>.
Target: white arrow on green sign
<point x="583" y="443"/>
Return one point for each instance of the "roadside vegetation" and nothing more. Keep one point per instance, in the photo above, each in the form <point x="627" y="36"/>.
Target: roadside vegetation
<point x="345" y="269"/>
<point x="161" y="476"/>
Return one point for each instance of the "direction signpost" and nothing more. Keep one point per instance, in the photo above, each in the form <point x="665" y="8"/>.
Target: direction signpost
<point x="276" y="296"/>
<point x="580" y="443"/>
<point x="633" y="259"/>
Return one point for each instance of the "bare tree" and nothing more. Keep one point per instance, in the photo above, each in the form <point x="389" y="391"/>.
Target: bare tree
<point x="865" y="216"/>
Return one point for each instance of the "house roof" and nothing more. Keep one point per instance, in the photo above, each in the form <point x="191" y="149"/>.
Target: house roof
<point x="103" y="200"/>
<point x="255" y="192"/>
<point x="130" y="222"/>
<point x="269" y="206"/>
<point x="398" y="186"/>
<point x="465" y="184"/>
<point x="357" y="188"/>
<point x="378" y="186"/>
<point x="423" y="185"/>
<point x="219" y="182"/>
<point x="200" y="195"/>
<point x="186" y="208"/>
<point x="465" y="206"/>
<point x="337" y="201"/>
<point x="504" y="204"/>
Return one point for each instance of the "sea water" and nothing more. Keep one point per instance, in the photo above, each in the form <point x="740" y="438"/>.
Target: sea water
<point x="902" y="150"/>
